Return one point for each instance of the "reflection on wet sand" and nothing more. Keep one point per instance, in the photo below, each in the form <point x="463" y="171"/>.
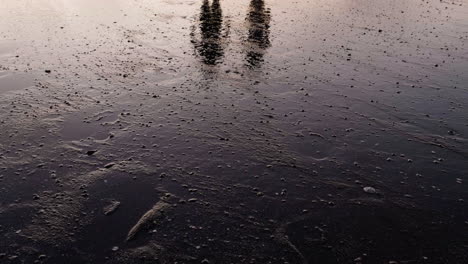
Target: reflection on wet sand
<point x="258" y="39"/>
<point x="337" y="135"/>
<point x="212" y="33"/>
<point x="210" y="46"/>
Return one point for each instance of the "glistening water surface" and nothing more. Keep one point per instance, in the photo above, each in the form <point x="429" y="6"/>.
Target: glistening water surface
<point x="247" y="131"/>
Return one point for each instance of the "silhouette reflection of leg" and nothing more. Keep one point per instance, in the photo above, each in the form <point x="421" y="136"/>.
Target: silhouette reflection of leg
<point x="209" y="47"/>
<point x="258" y="38"/>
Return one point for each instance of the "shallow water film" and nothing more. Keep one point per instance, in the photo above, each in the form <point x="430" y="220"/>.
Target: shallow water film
<point x="222" y="131"/>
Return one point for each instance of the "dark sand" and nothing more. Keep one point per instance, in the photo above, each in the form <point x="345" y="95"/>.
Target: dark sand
<point x="173" y="131"/>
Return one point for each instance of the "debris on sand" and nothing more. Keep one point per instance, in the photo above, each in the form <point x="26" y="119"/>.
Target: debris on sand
<point x="149" y="251"/>
<point x="370" y="190"/>
<point x="147" y="218"/>
<point x="112" y="207"/>
<point x="91" y="152"/>
<point x="109" y="165"/>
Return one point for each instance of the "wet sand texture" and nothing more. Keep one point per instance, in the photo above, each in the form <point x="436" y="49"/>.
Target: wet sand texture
<point x="222" y="131"/>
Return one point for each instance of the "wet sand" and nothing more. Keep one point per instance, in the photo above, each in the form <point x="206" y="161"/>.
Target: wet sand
<point x="233" y="131"/>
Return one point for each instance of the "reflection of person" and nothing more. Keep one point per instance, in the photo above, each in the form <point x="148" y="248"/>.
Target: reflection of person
<point x="211" y="25"/>
<point x="209" y="41"/>
<point x="258" y="39"/>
